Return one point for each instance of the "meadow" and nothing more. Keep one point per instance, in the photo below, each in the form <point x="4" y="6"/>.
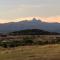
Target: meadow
<point x="30" y="47"/>
<point x="45" y="52"/>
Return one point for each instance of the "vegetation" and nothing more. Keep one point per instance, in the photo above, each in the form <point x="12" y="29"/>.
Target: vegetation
<point x="45" y="52"/>
<point x="29" y="37"/>
<point x="33" y="32"/>
<point x="29" y="47"/>
<point x="29" y="41"/>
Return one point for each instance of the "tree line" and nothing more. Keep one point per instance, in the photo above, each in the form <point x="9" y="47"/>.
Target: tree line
<point x="26" y="41"/>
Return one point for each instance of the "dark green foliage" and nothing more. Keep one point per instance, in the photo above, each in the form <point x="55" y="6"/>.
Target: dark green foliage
<point x="4" y="44"/>
<point x="58" y="41"/>
<point x="33" y="32"/>
<point x="27" y="41"/>
<point x="15" y="43"/>
<point x="38" y="43"/>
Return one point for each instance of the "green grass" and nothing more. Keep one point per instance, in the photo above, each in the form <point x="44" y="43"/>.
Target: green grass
<point x="45" y="52"/>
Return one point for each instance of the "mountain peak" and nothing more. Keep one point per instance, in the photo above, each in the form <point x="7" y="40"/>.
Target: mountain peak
<point x="34" y="19"/>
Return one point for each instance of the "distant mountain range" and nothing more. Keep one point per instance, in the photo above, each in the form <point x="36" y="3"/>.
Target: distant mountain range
<point x="31" y="24"/>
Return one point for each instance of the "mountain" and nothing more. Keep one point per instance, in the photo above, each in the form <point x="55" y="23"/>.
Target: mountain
<point x="31" y="24"/>
<point x="33" y="32"/>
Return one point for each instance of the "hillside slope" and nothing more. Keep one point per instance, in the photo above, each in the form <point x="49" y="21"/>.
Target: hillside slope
<point x="33" y="32"/>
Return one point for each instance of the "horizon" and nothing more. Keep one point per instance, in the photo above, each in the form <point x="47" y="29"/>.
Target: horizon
<point x="43" y="19"/>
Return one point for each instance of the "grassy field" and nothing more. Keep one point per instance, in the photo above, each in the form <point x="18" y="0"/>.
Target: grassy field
<point x="45" y="52"/>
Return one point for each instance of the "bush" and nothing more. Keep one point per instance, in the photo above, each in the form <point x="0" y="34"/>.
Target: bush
<point x="27" y="41"/>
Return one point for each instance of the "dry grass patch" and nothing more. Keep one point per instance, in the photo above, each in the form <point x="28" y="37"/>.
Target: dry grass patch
<point x="45" y="52"/>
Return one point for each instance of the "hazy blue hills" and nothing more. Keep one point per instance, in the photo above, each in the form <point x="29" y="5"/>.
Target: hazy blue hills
<point x="31" y="24"/>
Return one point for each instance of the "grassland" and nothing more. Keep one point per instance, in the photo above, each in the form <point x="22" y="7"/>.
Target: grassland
<point x="37" y="52"/>
<point x="48" y="50"/>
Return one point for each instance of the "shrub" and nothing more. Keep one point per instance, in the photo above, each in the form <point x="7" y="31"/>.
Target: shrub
<point x="27" y="41"/>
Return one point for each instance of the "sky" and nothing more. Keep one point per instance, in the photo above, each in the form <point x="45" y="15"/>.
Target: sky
<point x="12" y="10"/>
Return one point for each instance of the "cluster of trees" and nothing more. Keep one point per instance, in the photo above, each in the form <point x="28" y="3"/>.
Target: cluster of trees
<point x="33" y="32"/>
<point x="15" y="43"/>
<point x="26" y="41"/>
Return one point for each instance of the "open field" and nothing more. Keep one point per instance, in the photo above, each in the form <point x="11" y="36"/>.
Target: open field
<point x="45" y="52"/>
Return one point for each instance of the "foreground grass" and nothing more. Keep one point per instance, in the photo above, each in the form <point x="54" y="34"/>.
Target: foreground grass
<point x="46" y="52"/>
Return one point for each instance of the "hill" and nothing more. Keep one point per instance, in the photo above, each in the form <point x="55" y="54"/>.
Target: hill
<point x="33" y="32"/>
